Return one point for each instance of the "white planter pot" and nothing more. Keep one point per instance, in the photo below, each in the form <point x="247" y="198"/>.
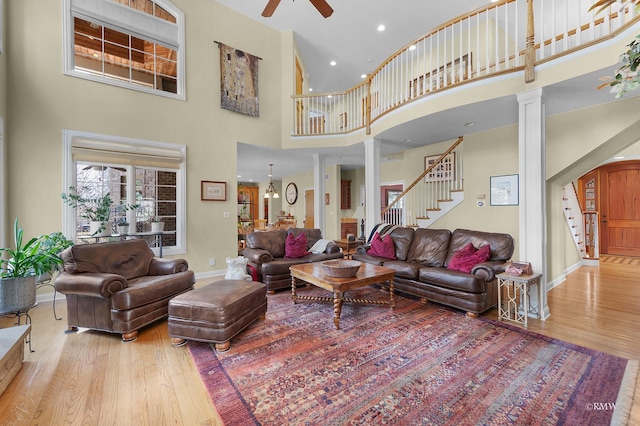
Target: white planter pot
<point x="123" y="229"/>
<point x="17" y="294"/>
<point x="95" y="226"/>
<point x="157" y="226"/>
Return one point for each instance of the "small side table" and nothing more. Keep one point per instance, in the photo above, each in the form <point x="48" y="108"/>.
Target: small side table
<point x="347" y="245"/>
<point x="517" y="289"/>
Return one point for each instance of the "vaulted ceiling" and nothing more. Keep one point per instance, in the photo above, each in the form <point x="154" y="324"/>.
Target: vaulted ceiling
<point x="350" y="38"/>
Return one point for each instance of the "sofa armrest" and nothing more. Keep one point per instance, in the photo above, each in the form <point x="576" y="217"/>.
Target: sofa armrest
<point x="167" y="266"/>
<point x="489" y="270"/>
<point x="332" y="248"/>
<point x="257" y="256"/>
<point x="363" y="249"/>
<point x="96" y="284"/>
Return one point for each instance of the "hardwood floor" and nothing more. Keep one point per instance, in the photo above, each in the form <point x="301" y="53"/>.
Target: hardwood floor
<point x="93" y="378"/>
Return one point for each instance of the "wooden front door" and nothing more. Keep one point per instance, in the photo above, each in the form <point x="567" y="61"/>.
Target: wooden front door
<point x="308" y="209"/>
<point x="620" y="204"/>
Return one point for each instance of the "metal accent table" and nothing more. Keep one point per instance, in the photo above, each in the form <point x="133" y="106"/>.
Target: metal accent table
<point x="517" y="294"/>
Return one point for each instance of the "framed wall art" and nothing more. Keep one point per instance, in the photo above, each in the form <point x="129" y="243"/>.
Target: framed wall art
<point x="444" y="171"/>
<point x="504" y="190"/>
<point x="213" y="191"/>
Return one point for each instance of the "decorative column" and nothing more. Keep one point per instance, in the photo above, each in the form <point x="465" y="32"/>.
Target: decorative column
<point x="372" y="184"/>
<point x="532" y="183"/>
<point x="318" y="191"/>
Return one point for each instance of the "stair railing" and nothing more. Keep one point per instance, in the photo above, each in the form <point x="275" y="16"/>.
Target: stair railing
<point x="434" y="185"/>
<point x="496" y="39"/>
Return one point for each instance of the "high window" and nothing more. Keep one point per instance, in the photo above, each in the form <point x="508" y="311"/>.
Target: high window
<point x="129" y="43"/>
<point x="149" y="174"/>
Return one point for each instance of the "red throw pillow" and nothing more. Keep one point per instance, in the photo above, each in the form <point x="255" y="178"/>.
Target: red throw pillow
<point x="295" y="247"/>
<point x="467" y="257"/>
<point x="382" y="247"/>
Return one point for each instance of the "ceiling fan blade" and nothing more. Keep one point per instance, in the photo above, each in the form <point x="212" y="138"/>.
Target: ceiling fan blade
<point x="323" y="7"/>
<point x="270" y="8"/>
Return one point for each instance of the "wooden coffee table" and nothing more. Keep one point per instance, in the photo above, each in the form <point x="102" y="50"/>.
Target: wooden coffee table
<point x="368" y="274"/>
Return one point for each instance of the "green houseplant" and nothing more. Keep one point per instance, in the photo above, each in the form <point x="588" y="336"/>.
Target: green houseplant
<point x="95" y="208"/>
<point x="22" y="264"/>
<point x="626" y="78"/>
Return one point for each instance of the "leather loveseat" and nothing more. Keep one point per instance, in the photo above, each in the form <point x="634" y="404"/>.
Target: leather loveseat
<point x="119" y="286"/>
<point x="265" y="253"/>
<point x="423" y="255"/>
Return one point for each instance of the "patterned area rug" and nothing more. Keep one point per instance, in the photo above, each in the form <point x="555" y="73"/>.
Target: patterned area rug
<point x="417" y="364"/>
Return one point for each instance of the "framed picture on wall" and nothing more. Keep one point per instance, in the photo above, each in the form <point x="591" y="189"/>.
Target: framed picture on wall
<point x="213" y="191"/>
<point x="444" y="171"/>
<point x="504" y="190"/>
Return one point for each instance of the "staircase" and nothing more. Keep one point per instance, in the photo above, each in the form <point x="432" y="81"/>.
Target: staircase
<point x="433" y="194"/>
<point x="582" y="225"/>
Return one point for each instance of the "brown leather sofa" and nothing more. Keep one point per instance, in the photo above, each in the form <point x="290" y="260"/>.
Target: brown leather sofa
<point x="265" y="253"/>
<point x="119" y="286"/>
<point x="421" y="266"/>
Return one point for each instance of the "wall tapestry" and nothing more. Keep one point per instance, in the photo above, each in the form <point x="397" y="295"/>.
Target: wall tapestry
<point x="238" y="81"/>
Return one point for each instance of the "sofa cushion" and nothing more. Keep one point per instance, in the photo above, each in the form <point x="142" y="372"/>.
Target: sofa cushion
<point x="402" y="238"/>
<point x="271" y="241"/>
<point x="295" y="247"/>
<point x="452" y="279"/>
<point x="429" y="246"/>
<point x="382" y="247"/>
<point x="502" y="245"/>
<point x="404" y="269"/>
<point x="145" y="290"/>
<point x="129" y="258"/>
<point x="280" y="266"/>
<point x="469" y="256"/>
<point x="312" y="235"/>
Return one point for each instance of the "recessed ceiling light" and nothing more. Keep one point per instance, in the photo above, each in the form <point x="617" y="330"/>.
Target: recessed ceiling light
<point x="412" y="47"/>
<point x="239" y="176"/>
<point x="618" y="158"/>
<point x="332" y="63"/>
<point x="469" y="124"/>
<point x="363" y="76"/>
<point x="310" y="89"/>
<point x="381" y="27"/>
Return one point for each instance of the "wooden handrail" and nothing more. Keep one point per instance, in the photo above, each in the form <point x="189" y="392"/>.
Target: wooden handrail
<point x="427" y="171"/>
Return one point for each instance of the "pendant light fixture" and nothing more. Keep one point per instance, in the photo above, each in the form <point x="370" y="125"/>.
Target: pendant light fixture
<point x="271" y="190"/>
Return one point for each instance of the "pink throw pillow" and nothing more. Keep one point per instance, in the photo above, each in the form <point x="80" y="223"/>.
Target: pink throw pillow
<point x="467" y="257"/>
<point x="382" y="247"/>
<point x="295" y="247"/>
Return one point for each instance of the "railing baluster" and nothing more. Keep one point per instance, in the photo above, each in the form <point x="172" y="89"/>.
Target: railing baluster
<point x="409" y="74"/>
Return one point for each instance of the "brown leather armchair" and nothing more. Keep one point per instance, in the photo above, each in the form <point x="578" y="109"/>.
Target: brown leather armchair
<point x="119" y="287"/>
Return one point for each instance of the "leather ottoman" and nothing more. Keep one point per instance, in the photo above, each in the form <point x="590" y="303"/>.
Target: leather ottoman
<point x="216" y="312"/>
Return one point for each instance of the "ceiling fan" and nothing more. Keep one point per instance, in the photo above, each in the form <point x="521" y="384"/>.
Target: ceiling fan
<point x="322" y="6"/>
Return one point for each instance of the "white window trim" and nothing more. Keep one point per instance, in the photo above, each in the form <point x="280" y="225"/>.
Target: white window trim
<point x="118" y="16"/>
<point x="73" y="137"/>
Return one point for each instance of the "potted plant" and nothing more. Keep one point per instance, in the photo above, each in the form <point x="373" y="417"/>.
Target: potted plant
<point x="21" y="265"/>
<point x="95" y="208"/>
<point x="123" y="227"/>
<point x="157" y="225"/>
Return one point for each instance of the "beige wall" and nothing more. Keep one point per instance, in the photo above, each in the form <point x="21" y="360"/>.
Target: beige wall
<point x="44" y="102"/>
<point x="3" y="120"/>
<point x="38" y="102"/>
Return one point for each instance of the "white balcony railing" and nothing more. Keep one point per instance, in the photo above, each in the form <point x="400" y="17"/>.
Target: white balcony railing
<point x="485" y="42"/>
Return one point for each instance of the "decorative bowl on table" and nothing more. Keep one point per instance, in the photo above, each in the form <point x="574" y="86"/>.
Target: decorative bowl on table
<point x="341" y="268"/>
